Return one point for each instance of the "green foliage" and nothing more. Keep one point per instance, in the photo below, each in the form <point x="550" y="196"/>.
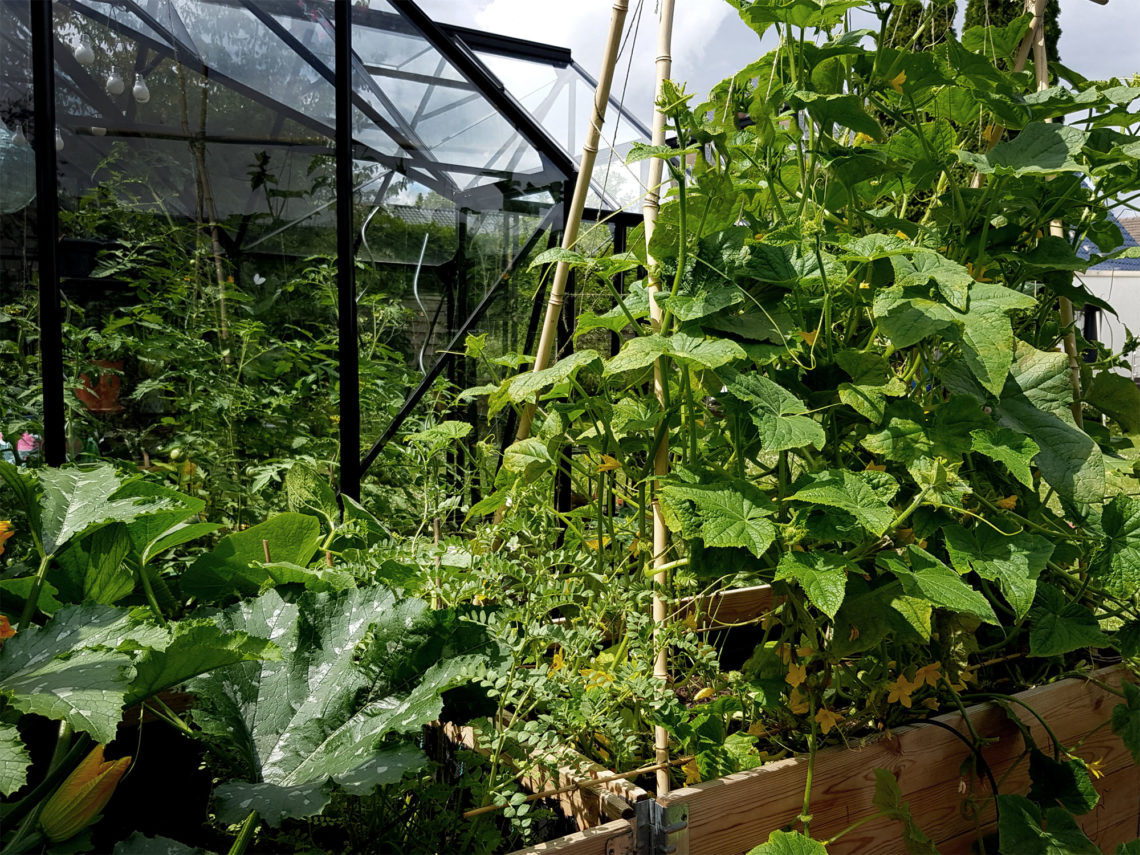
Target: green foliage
<point x="361" y="669"/>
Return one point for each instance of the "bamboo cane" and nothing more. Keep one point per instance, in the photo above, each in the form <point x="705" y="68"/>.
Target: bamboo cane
<point x="1065" y="305"/>
<point x="577" y="204"/>
<point x="661" y="458"/>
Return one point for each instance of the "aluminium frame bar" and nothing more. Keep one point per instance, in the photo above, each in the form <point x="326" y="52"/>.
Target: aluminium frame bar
<point x="437" y="367"/>
<point x="348" y="352"/>
<point x="47" y="228"/>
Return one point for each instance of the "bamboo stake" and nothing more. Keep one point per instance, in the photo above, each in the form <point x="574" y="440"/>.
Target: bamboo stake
<point x="1065" y="305"/>
<point x="661" y="458"/>
<point x="577" y="204"/>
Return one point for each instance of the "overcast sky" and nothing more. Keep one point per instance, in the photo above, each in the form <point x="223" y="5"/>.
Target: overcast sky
<point x="711" y="43"/>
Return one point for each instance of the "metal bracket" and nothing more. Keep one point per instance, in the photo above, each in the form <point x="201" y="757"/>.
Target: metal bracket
<point x="661" y="830"/>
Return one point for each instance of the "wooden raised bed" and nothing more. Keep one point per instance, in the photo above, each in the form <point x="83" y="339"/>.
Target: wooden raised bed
<point x="731" y="815"/>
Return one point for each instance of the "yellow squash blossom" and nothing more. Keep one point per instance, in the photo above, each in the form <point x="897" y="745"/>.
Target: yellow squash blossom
<point x="900" y="691"/>
<point x="608" y="463"/>
<point x="82" y="795"/>
<point x="826" y="719"/>
<point x="6" y="531"/>
<point x="897" y="81"/>
<point x="928" y="674"/>
<point x="797" y="673"/>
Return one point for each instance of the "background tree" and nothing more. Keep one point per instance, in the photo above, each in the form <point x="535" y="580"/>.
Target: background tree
<point x="998" y="13"/>
<point x="931" y="21"/>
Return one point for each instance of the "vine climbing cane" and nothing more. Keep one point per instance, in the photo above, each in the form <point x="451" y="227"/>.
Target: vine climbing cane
<point x="661" y="456"/>
<point x="577" y="204"/>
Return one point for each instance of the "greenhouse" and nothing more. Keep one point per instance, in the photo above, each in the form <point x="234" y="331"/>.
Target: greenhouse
<point x="225" y="113"/>
<point x="421" y="439"/>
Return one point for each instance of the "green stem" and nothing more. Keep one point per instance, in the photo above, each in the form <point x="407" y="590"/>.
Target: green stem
<point x="34" y="595"/>
<point x="150" y="597"/>
<point x="241" y="842"/>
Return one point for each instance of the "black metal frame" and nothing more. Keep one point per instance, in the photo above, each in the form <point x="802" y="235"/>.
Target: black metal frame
<point x="454" y="44"/>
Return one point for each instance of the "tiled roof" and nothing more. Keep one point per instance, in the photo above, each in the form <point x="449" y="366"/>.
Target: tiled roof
<point x="1129" y="229"/>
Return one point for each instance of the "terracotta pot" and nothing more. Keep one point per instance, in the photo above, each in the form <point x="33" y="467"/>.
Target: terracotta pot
<point x="102" y="395"/>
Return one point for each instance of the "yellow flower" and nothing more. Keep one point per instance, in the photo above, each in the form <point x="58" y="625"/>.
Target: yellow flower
<point x="928" y="674"/>
<point x="897" y="81"/>
<point x="875" y="467"/>
<point x="1095" y="767"/>
<point x="1008" y="503"/>
<point x="704" y="694"/>
<point x="592" y="543"/>
<point x="692" y="772"/>
<point x="82" y="795"/>
<point x="826" y="720"/>
<point x="6" y="630"/>
<point x="902" y="235"/>
<point x="797" y="673"/>
<point x="798" y="702"/>
<point x="6" y="531"/>
<point x="809" y="337"/>
<point x="862" y="138"/>
<point x="900" y="691"/>
<point x="557" y="662"/>
<point x="608" y="464"/>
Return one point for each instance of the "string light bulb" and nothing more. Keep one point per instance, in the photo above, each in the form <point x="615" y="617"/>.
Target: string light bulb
<point x="115" y="84"/>
<point x="83" y="53"/>
<point x="18" y="138"/>
<point x="140" y="91"/>
<point x="58" y="140"/>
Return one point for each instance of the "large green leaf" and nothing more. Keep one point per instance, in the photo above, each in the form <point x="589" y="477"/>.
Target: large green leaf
<point x="1126" y="720"/>
<point x="232" y="566"/>
<point x="1058" y="625"/>
<point x="75" y="500"/>
<point x="776" y="412"/>
<point x="359" y="668"/>
<point x="873" y="382"/>
<point x="1040" y="149"/>
<point x="729" y="514"/>
<point x="1117" y="564"/>
<point x="907" y="316"/>
<point x="524" y="387"/>
<point x="1015" y="450"/>
<point x="14" y="760"/>
<point x="789" y="843"/>
<point x="822" y="575"/>
<point x="1061" y="782"/>
<point x="94" y="567"/>
<point x="952" y="279"/>
<point x="683" y="348"/>
<point x="1014" y="561"/>
<point x="192" y="648"/>
<point x="140" y="844"/>
<point x="308" y="491"/>
<point x="864" y="495"/>
<point x="1117" y="397"/>
<point x="1036" y="402"/>
<point x="929" y="579"/>
<point x="159" y="530"/>
<point x="71" y="668"/>
<point x="1024" y="829"/>
<point x="987" y="334"/>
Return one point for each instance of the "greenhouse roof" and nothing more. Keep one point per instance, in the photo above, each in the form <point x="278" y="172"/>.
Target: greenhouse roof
<point x="483" y="122"/>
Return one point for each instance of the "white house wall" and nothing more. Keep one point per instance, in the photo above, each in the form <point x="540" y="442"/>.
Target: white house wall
<point x="1121" y="290"/>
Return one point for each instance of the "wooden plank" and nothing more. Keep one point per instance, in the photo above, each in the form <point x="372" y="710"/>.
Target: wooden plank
<point x="588" y="805"/>
<point x="613" y="838"/>
<point x="735" y="813"/>
<point x="727" y="608"/>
